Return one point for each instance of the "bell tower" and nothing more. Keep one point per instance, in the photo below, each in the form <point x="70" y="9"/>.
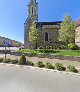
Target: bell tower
<point x="33" y="10"/>
<point x="32" y="17"/>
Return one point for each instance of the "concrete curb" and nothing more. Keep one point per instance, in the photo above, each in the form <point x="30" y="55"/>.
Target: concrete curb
<point x="43" y="69"/>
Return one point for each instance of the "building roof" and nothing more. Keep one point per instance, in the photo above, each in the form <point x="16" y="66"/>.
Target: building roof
<point x="77" y="22"/>
<point x="48" y="23"/>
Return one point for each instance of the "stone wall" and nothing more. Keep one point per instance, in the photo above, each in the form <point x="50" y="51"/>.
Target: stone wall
<point x="3" y="51"/>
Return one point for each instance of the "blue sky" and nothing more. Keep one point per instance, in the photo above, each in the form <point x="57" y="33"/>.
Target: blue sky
<point x="13" y="14"/>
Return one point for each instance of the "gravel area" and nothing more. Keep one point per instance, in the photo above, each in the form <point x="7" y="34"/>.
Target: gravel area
<point x="53" y="61"/>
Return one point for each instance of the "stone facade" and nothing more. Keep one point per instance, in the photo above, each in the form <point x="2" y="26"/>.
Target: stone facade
<point x="77" y="38"/>
<point x="53" y="33"/>
<point x="32" y="17"/>
<point x="50" y="30"/>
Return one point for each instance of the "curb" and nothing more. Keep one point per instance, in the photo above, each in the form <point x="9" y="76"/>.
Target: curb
<point x="41" y="69"/>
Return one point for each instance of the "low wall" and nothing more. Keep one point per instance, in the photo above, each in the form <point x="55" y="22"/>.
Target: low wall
<point x="51" y="56"/>
<point x="3" y="51"/>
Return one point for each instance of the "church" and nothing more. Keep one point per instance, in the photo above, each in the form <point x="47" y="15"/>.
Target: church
<point x="50" y="30"/>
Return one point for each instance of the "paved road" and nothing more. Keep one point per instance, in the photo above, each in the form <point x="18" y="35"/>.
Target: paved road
<point x="18" y="79"/>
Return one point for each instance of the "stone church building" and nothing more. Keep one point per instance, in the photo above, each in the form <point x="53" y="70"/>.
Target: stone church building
<point x="50" y="30"/>
<point x="77" y="38"/>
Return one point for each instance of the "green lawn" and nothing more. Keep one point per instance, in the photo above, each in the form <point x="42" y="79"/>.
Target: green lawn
<point x="61" y="52"/>
<point x="28" y="50"/>
<point x="68" y="53"/>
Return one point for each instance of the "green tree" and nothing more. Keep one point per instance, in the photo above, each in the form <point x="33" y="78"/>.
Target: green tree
<point x="67" y="31"/>
<point x="34" y="35"/>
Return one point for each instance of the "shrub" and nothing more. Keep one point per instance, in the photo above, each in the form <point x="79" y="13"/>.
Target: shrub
<point x="60" y="67"/>
<point x="7" y="60"/>
<point x="33" y="53"/>
<point x="72" y="69"/>
<point x="49" y="65"/>
<point x="41" y="56"/>
<point x="40" y="64"/>
<point x="41" y="47"/>
<point x="47" y="47"/>
<point x="22" y="60"/>
<point x="14" y="61"/>
<point x="1" y="59"/>
<point x="73" y="46"/>
<point x="48" y="51"/>
<point x="62" y="47"/>
<point x="30" y="63"/>
<point x="55" y="47"/>
<point x="76" y="47"/>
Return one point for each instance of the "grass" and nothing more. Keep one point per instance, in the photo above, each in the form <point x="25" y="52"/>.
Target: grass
<point x="68" y="53"/>
<point x="28" y="50"/>
<point x="60" y="52"/>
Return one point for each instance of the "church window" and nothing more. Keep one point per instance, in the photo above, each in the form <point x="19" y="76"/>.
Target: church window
<point x="46" y="36"/>
<point x="32" y="10"/>
<point x="35" y="11"/>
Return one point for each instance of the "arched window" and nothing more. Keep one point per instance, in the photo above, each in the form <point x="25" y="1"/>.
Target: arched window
<point x="46" y="36"/>
<point x="32" y="10"/>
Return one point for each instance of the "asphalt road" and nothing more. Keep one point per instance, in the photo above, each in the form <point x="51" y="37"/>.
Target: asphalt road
<point x="18" y="79"/>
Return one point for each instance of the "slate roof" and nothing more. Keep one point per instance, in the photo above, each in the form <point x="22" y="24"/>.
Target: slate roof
<point x="48" y="23"/>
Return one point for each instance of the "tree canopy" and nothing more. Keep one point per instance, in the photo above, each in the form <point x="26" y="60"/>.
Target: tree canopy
<point x="34" y="35"/>
<point x="67" y="31"/>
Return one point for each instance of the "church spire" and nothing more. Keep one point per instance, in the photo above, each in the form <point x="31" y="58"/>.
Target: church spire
<point x="33" y="9"/>
<point x="33" y="1"/>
